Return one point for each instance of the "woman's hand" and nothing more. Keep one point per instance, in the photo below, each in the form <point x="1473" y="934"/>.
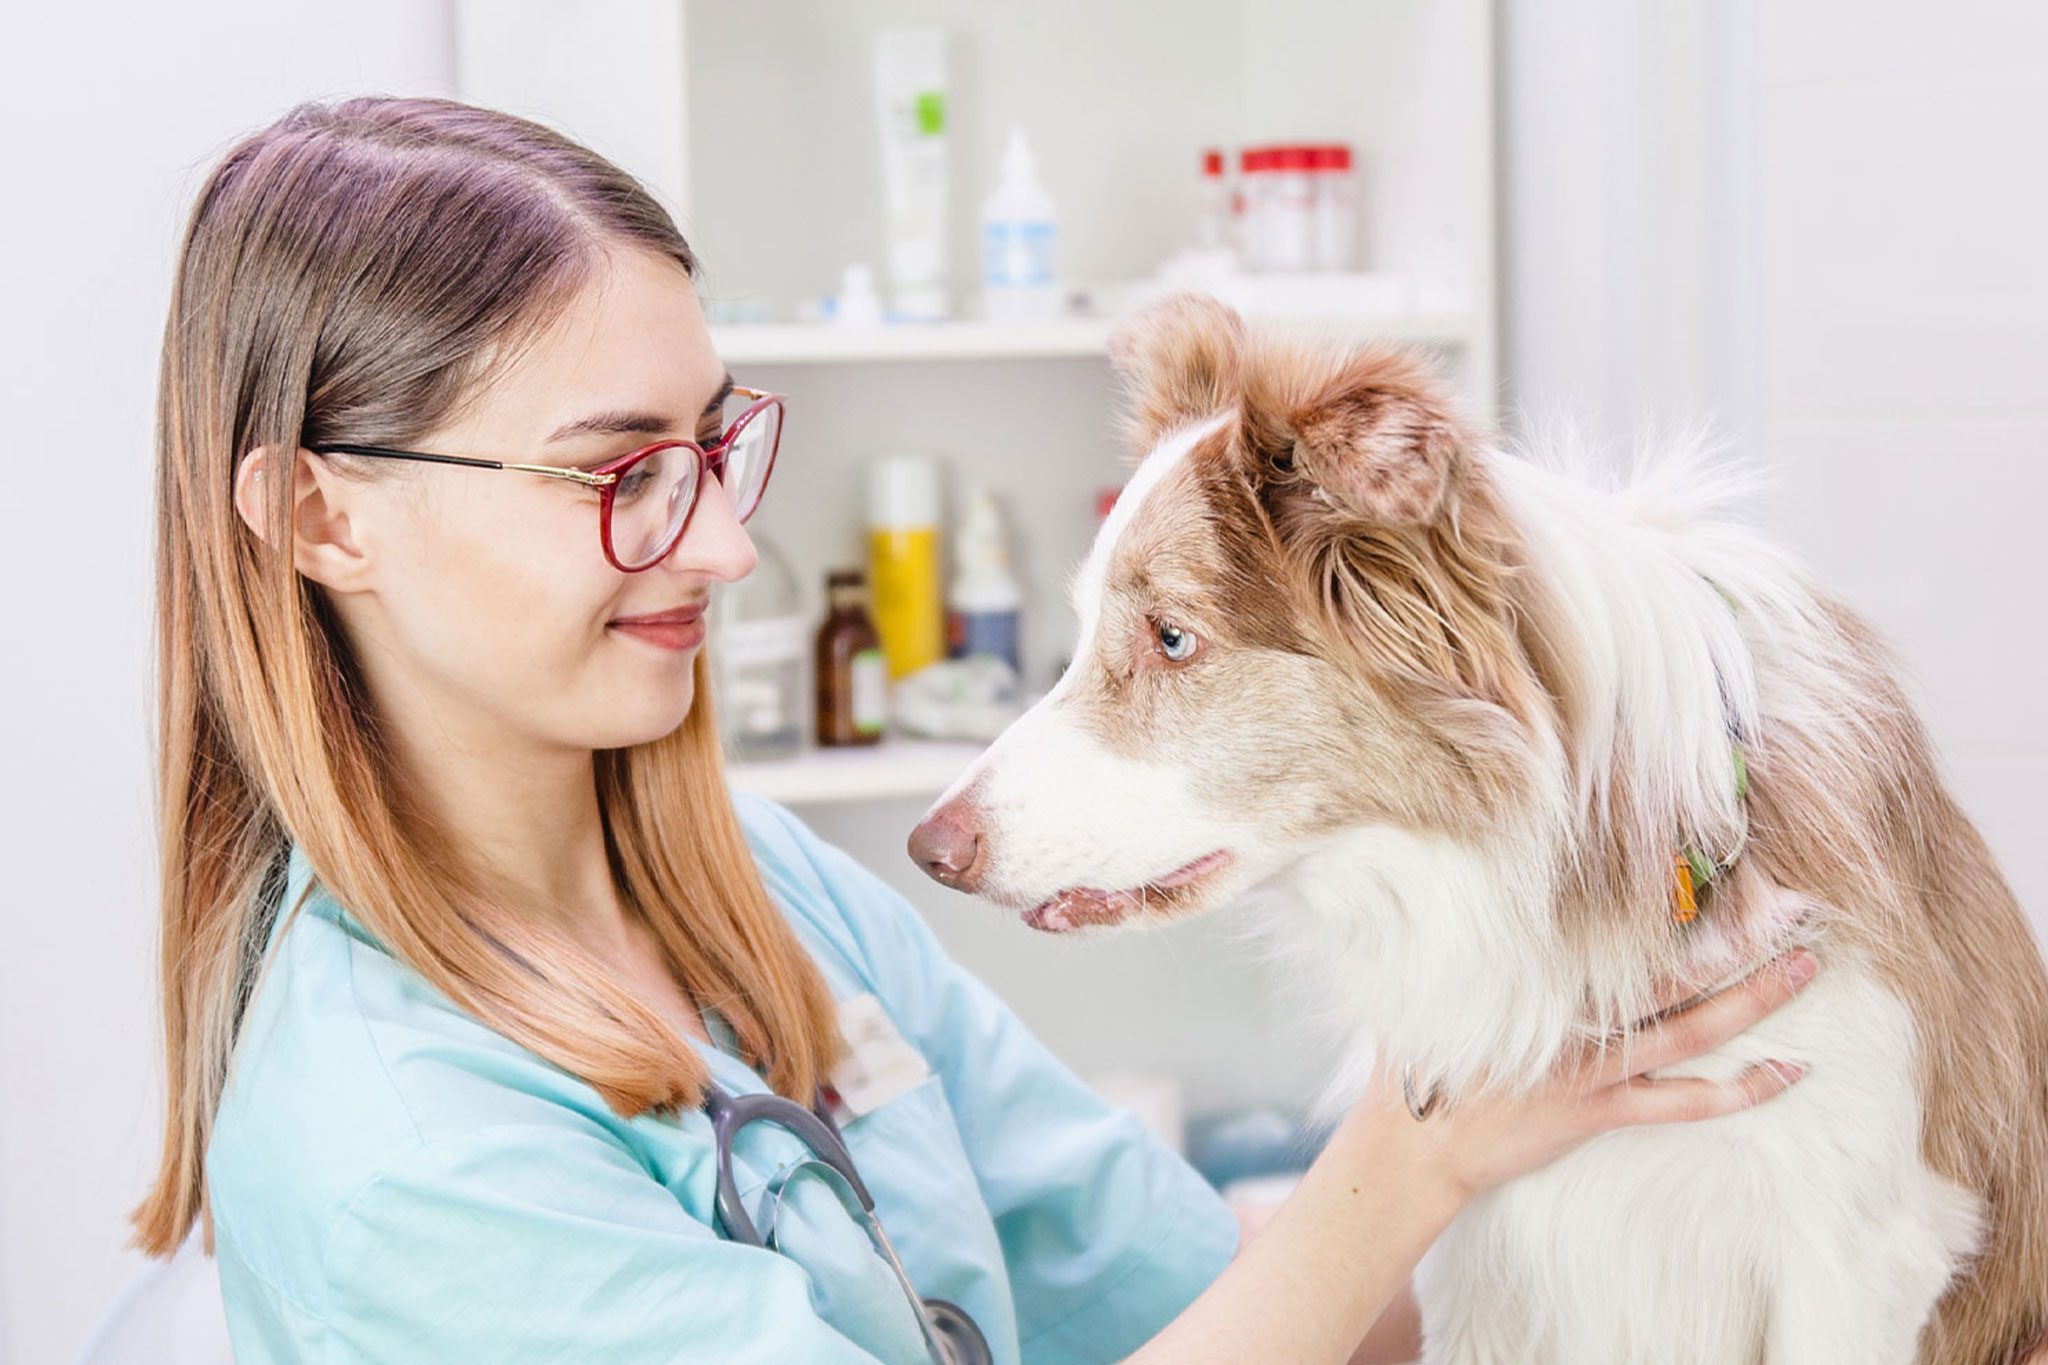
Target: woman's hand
<point x="1481" y="1141"/>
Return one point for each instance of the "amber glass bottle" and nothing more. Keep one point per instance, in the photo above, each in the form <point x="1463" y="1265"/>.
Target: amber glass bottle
<point x="853" y="678"/>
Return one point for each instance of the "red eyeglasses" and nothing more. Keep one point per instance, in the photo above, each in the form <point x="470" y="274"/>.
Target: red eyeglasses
<point x="650" y="493"/>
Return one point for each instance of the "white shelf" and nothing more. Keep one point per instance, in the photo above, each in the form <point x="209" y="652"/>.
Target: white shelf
<point x="798" y="343"/>
<point x="893" y="768"/>
<point x="810" y="343"/>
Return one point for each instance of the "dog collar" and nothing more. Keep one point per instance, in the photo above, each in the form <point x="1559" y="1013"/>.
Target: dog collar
<point x="1693" y="869"/>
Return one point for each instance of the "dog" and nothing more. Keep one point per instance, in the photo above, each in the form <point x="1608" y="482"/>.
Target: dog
<point x="1488" y="749"/>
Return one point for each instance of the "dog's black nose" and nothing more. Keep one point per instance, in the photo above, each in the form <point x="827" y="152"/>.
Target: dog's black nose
<point x="947" y="846"/>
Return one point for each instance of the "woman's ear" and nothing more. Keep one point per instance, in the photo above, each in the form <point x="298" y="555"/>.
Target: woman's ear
<point x="316" y="507"/>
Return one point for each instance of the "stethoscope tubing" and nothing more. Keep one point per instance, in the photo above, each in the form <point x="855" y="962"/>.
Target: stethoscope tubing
<point x="950" y="1334"/>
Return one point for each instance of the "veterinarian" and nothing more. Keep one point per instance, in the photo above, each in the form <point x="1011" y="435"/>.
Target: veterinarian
<point x="497" y="1028"/>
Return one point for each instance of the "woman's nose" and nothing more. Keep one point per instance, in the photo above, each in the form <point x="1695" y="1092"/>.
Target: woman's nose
<point x="714" y="544"/>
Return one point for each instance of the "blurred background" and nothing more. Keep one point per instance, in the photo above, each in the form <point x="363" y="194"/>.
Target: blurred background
<point x="1816" y="228"/>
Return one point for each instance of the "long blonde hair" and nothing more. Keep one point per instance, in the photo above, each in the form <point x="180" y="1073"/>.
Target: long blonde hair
<point x="349" y="274"/>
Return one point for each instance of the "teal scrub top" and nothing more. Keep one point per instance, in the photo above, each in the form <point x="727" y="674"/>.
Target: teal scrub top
<point x="391" y="1180"/>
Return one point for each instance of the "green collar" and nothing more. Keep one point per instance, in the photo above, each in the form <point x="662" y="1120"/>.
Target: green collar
<point x="1694" y="869"/>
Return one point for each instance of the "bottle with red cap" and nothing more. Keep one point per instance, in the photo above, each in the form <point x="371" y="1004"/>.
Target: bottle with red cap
<point x="1298" y="206"/>
<point x="1290" y="215"/>
<point x="1254" y="173"/>
<point x="1336" y="207"/>
<point x="1212" y="224"/>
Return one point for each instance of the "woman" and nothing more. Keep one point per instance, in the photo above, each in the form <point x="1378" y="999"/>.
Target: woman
<point x="448" y="469"/>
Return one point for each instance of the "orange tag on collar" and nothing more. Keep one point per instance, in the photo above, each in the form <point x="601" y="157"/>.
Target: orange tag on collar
<point x="1685" y="903"/>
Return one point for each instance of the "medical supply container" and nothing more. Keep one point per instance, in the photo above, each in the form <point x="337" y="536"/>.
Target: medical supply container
<point x="757" y="640"/>
<point x="984" y="604"/>
<point x="903" y="561"/>
<point x="1215" y="228"/>
<point x="1336" y="207"/>
<point x="1018" y="236"/>
<point x="852" y="678"/>
<point x="910" y="94"/>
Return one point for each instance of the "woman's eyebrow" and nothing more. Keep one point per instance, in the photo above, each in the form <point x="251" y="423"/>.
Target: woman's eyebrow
<point x="625" y="423"/>
<point x="717" y="403"/>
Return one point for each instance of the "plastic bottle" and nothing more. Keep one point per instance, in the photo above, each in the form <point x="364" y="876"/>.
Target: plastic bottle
<point x="910" y="95"/>
<point x="1288" y="229"/>
<point x="1254" y="178"/>
<point x="983" y="606"/>
<point x="857" y="304"/>
<point x="853" y="679"/>
<point x="1018" y="232"/>
<point x="903" y="561"/>
<point x="1336" y="208"/>
<point x="758" y="634"/>
<point x="1213" y="218"/>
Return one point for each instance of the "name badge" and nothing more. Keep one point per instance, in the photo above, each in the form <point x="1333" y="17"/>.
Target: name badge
<point x="877" y="1065"/>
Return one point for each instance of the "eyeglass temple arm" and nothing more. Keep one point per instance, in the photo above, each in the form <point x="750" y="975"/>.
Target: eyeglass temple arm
<point x="387" y="453"/>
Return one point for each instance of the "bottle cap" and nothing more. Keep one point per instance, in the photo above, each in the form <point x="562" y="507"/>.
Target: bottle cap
<point x="903" y="490"/>
<point x="979" y="544"/>
<point x="846" y="578"/>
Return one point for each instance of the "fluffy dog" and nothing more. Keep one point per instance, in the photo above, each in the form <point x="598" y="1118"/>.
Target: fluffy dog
<point x="1491" y="750"/>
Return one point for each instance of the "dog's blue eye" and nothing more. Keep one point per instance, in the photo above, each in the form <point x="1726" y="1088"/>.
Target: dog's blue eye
<point x="1177" y="644"/>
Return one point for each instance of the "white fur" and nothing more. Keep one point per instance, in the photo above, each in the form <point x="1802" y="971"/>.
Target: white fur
<point x="1804" y="1232"/>
<point x="1162" y="460"/>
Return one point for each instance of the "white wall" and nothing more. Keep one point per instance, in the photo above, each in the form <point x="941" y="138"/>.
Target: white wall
<point x="1818" y="227"/>
<point x="1904" y="346"/>
<point x="114" y="112"/>
<point x="1627" y="214"/>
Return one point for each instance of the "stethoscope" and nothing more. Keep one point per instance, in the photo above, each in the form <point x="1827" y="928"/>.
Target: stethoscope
<point x="949" y="1333"/>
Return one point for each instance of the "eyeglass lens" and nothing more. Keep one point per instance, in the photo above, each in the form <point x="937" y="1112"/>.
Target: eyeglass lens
<point x="652" y="499"/>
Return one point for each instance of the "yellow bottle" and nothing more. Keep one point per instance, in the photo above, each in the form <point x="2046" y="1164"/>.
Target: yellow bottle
<point x="903" y="562"/>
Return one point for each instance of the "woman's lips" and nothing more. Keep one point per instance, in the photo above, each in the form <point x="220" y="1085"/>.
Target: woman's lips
<point x="680" y="629"/>
<point x="1079" y="907"/>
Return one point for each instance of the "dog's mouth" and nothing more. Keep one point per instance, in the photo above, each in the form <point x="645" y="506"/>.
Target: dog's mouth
<point x="1087" y="907"/>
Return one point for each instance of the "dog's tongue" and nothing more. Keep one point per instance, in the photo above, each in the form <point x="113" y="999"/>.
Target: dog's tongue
<point x="1079" y="906"/>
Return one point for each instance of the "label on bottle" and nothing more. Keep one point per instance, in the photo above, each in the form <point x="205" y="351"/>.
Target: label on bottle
<point x="983" y="632"/>
<point x="869" y="678"/>
<point x="755" y="644"/>
<point x="1016" y="254"/>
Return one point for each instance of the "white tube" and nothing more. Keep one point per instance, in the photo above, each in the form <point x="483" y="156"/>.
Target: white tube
<point x="910" y="92"/>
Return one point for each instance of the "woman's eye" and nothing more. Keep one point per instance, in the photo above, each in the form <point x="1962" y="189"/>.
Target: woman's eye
<point x="1176" y="644"/>
<point x="634" y="481"/>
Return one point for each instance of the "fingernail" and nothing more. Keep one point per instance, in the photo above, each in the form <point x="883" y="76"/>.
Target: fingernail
<point x="1800" y="966"/>
<point x="1787" y="1072"/>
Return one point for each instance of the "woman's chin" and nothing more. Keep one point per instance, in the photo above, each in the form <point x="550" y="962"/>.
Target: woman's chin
<point x="654" y="718"/>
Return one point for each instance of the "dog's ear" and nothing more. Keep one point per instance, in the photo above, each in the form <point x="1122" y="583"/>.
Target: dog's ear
<point x="1379" y="438"/>
<point x="1180" y="359"/>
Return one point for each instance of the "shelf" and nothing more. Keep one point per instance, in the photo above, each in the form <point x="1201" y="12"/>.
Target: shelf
<point x="894" y="768"/>
<point x="798" y="343"/>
